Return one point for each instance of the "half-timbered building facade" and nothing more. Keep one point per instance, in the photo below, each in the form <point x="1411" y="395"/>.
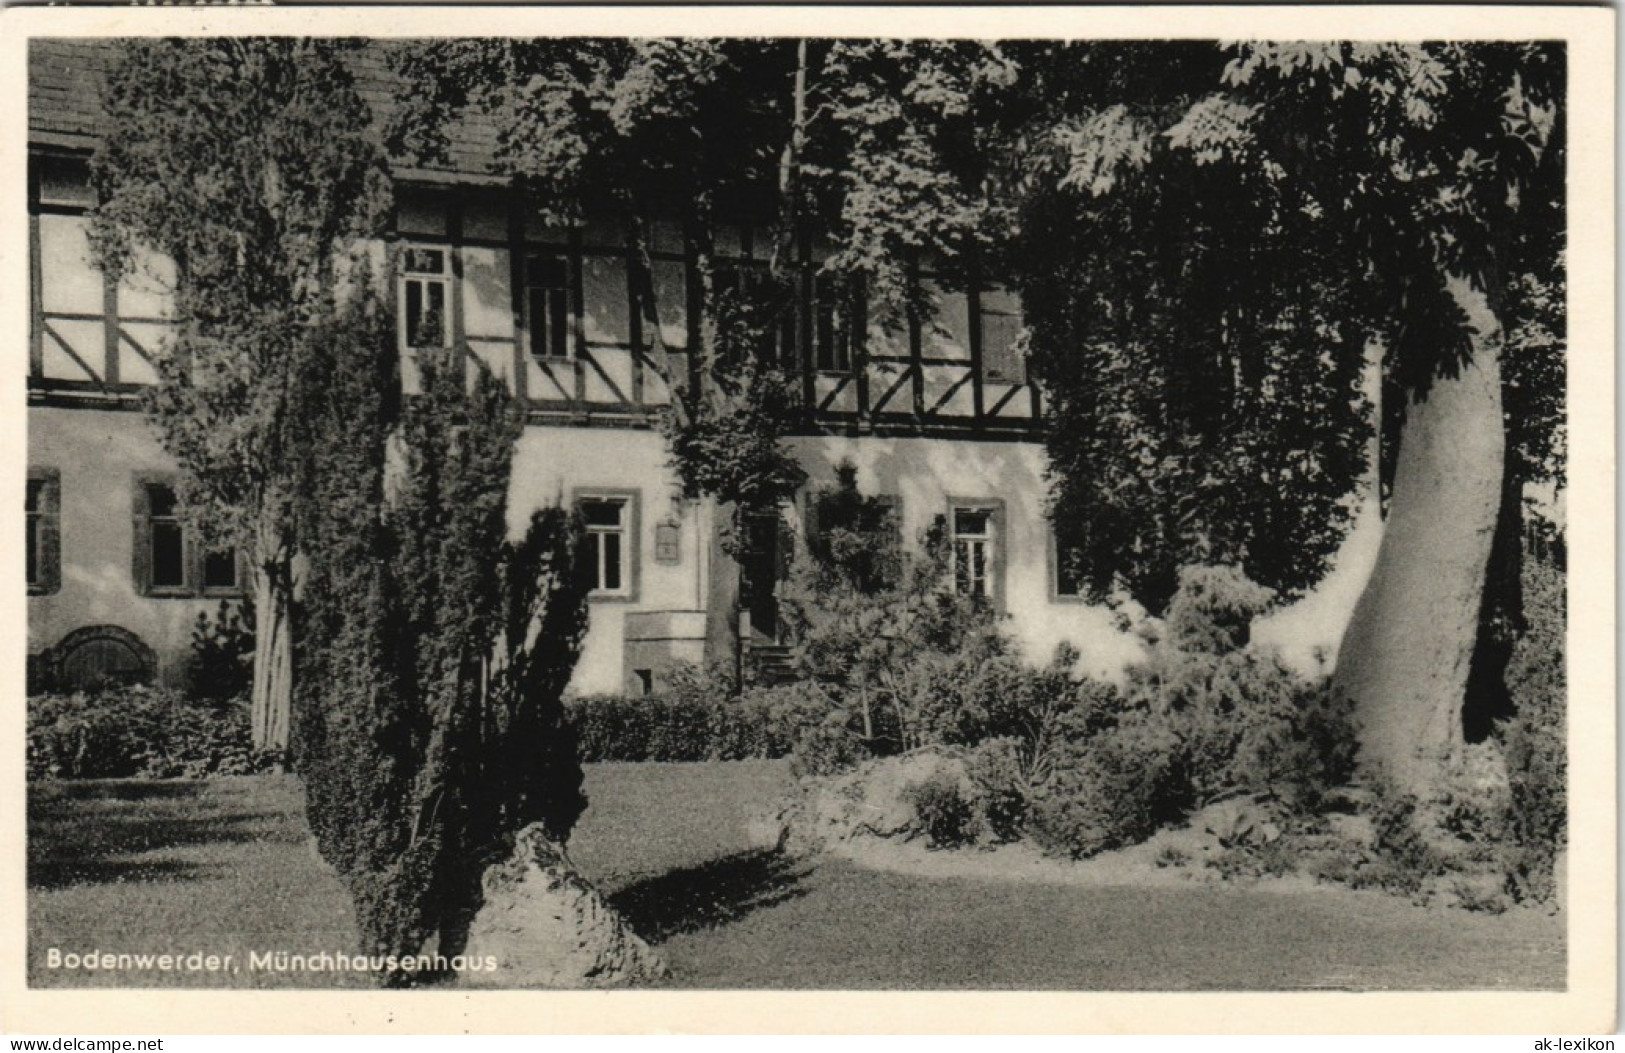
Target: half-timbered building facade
<point x="939" y="416"/>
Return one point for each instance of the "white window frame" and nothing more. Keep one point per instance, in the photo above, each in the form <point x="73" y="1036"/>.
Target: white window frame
<point x="832" y="293"/>
<point x="627" y="529"/>
<point x="991" y="541"/>
<point x="410" y="275"/>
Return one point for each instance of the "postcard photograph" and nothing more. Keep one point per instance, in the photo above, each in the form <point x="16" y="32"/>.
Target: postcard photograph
<point x="714" y="510"/>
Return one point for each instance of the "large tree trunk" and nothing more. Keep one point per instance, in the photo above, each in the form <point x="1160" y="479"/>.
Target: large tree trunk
<point x="1405" y="657"/>
<point x="722" y="593"/>
<point x="271" y="704"/>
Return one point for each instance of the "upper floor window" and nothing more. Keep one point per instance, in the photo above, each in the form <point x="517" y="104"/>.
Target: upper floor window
<point x="42" y="506"/>
<point x="1001" y="335"/>
<point x="425" y="298"/>
<point x="833" y="316"/>
<point x="547" y="306"/>
<point x="764" y="306"/>
<point x="170" y="559"/>
<point x="976" y="555"/>
<point x="610" y="543"/>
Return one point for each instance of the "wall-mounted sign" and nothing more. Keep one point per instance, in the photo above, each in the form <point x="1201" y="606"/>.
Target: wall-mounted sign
<point x="668" y="543"/>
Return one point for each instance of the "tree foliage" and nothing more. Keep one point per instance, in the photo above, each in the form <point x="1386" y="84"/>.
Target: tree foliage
<point x="433" y="651"/>
<point x="246" y="162"/>
<point x="249" y="165"/>
<point x="1238" y="230"/>
<point x="877" y="153"/>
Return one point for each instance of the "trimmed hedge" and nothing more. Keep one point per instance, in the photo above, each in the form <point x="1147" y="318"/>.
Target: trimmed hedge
<point x="156" y="733"/>
<point x="138" y="732"/>
<point x="676" y="728"/>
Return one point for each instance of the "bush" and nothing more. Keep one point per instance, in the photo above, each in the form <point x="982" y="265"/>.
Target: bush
<point x="1534" y="739"/>
<point x="1113" y="789"/>
<point x="686" y="725"/>
<point x="1243" y="722"/>
<point x="946" y="814"/>
<point x="222" y="660"/>
<point x="1204" y="717"/>
<point x="880" y="632"/>
<point x="138" y="732"/>
<point x="996" y="767"/>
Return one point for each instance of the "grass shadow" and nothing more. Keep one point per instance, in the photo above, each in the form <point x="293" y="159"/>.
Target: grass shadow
<point x="121" y="832"/>
<point x="713" y="893"/>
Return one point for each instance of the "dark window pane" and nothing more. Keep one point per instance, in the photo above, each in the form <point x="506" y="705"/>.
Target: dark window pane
<point x="31" y="542"/>
<point x="970" y="521"/>
<point x="168" y="555"/>
<point x="612" y="561"/>
<point x="548" y="272"/>
<point x="601" y="513"/>
<point x="536" y="311"/>
<point x="832" y="331"/>
<point x="433" y="332"/>
<point x="220" y="570"/>
<point x="414" y="312"/>
<point x="1068" y="560"/>
<point x="36" y="488"/>
<point x="558" y="322"/>
<point x="549" y="322"/>
<point x="160" y="500"/>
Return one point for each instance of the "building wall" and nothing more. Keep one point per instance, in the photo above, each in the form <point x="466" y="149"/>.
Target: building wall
<point x="557" y="465"/>
<point x="590" y="409"/>
<point x="99" y="454"/>
<point x="927" y="475"/>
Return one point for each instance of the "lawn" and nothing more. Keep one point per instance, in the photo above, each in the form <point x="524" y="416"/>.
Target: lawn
<point x="225" y="867"/>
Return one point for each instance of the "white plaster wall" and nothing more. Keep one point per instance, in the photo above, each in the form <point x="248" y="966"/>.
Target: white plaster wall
<point x="925" y="473"/>
<point x="550" y="464"/>
<point x="98" y="454"/>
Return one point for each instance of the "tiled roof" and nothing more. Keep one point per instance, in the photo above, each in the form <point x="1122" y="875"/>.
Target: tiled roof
<point x="66" y="79"/>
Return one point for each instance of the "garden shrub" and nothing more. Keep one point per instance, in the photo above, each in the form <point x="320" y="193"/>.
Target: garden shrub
<point x="222" y="658"/>
<point x="432" y="651"/>
<point x="996" y="767"/>
<point x="880" y="632"/>
<point x="1245" y="723"/>
<point x="676" y="727"/>
<point x="946" y="814"/>
<point x="1113" y="789"/>
<point x="1203" y="717"/>
<point x="138" y="732"/>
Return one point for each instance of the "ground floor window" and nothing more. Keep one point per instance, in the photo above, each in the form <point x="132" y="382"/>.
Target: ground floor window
<point x="1066" y="570"/>
<point x="42" y="511"/>
<point x="611" y="542"/>
<point x="977" y="559"/>
<point x="170" y="557"/>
